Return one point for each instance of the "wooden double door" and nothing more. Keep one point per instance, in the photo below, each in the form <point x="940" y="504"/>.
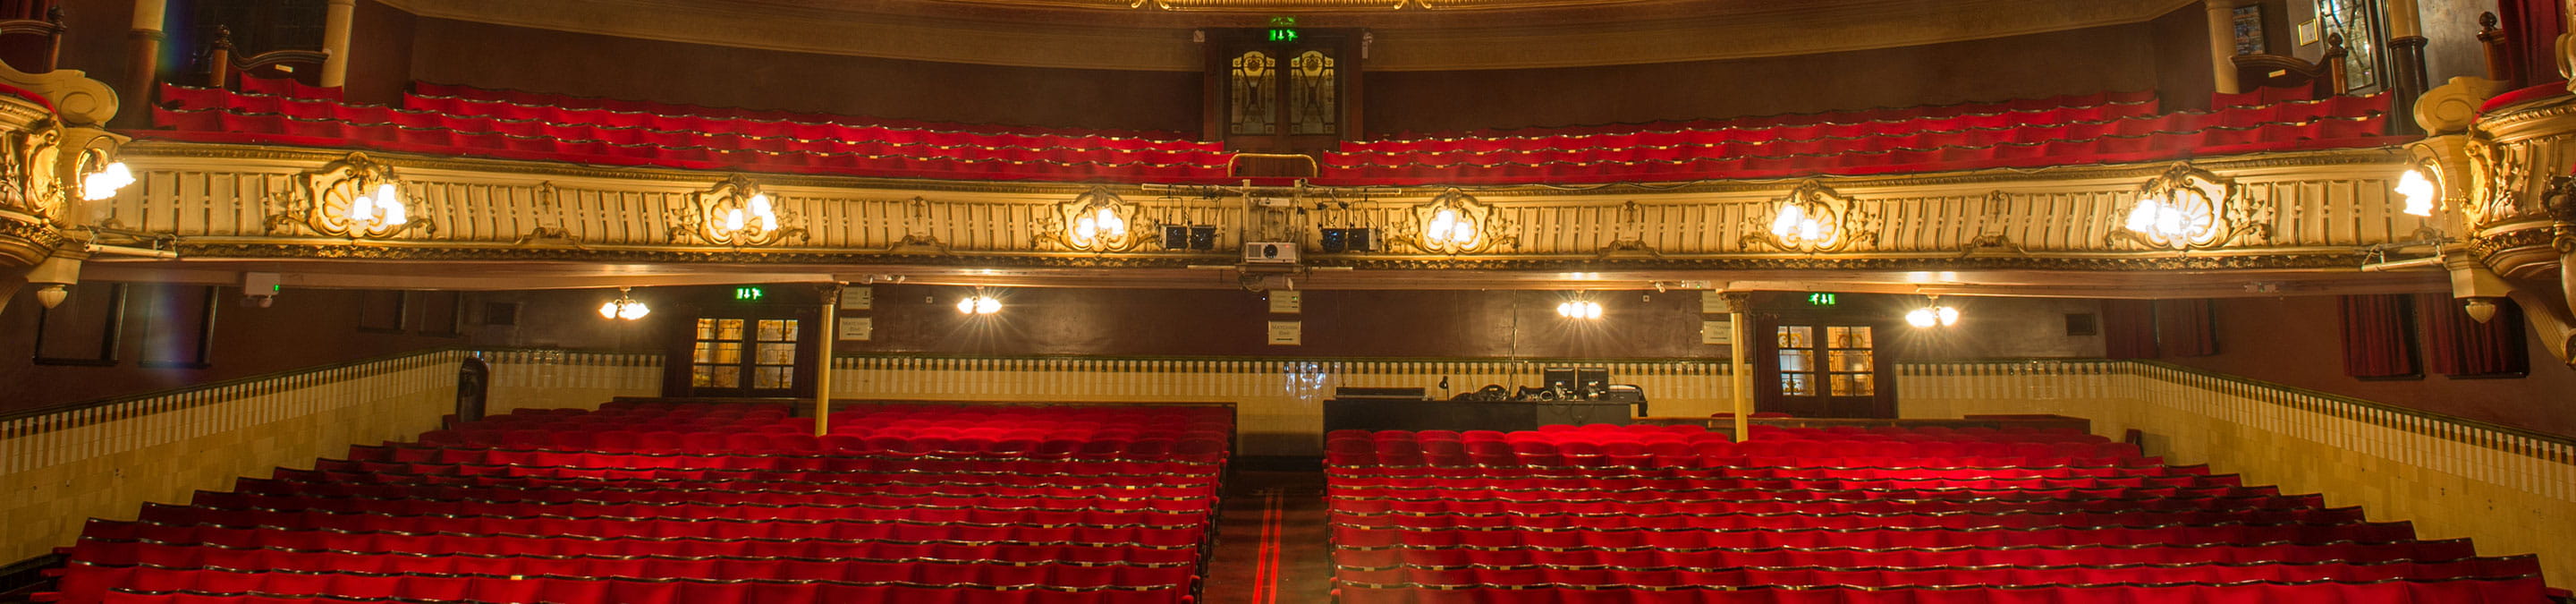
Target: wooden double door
<point x="1823" y="364"/>
<point x="743" y="351"/>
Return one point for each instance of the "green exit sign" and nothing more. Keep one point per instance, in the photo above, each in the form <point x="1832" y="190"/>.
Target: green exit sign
<point x="1820" y="299"/>
<point x="748" y="293"/>
<point x="1283" y="35"/>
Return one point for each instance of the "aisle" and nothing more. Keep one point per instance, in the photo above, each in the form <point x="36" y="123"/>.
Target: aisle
<point x="1270" y="545"/>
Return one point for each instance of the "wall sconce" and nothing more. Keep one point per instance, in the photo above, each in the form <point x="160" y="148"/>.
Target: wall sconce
<point x="979" y="304"/>
<point x="1456" y="223"/>
<point x="1098" y="221"/>
<point x="1932" y="314"/>
<point x="355" y="196"/>
<point x="734" y="212"/>
<point x="2190" y="208"/>
<point x="102" y="182"/>
<point x="1579" y="309"/>
<point x="2421" y="196"/>
<point x="624" y="307"/>
<point x="1814" y="218"/>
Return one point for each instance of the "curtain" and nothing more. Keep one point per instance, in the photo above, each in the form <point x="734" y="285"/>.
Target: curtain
<point x="2455" y="344"/>
<point x="2532" y="26"/>
<point x="2129" y="329"/>
<point x="2379" y="336"/>
<point x="2185" y="328"/>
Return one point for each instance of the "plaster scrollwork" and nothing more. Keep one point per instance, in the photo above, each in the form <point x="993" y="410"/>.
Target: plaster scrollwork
<point x="2188" y="208"/>
<point x="355" y="196"/>
<point x="2499" y="174"/>
<point x="1454" y="222"/>
<point x="734" y="212"/>
<point x="1097" y="221"/>
<point x="30" y="177"/>
<point x="1813" y="218"/>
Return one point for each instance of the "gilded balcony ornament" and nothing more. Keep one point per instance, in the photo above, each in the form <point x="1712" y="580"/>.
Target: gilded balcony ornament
<point x="2499" y="175"/>
<point x="549" y="229"/>
<point x="1096" y="221"/>
<point x="27" y="175"/>
<point x="1814" y="218"/>
<point x="1456" y="223"/>
<point x="2188" y="208"/>
<point x="355" y="197"/>
<point x="735" y="213"/>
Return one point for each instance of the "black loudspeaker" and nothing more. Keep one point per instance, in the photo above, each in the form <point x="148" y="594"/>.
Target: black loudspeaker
<point x="1337" y="241"/>
<point x="1203" y="237"/>
<point x="1176" y="237"/>
<point x="1363" y="240"/>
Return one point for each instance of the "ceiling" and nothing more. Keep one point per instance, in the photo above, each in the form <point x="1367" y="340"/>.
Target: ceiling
<point x="1407" y="35"/>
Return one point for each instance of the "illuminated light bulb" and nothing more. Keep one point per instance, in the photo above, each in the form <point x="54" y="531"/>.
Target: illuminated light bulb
<point x="733" y="220"/>
<point x="1462" y="233"/>
<point x="1921" y="317"/>
<point x="760" y="204"/>
<point x="1084" y="229"/>
<point x="1110" y="223"/>
<point x="966" y="306"/>
<point x="985" y="305"/>
<point x="1441" y="224"/>
<point x="362" y="209"/>
<point x="2143" y="217"/>
<point x="1591" y="310"/>
<point x="1810" y="230"/>
<point x="632" y="311"/>
<point x="394" y="214"/>
<point x="768" y="223"/>
<point x="608" y="310"/>
<point x="1565" y="309"/>
<point x="387" y="194"/>
<point x="2418" y="191"/>
<point x="104" y="183"/>
<point x="1786" y="225"/>
<point x="2170" y="222"/>
<point x="1949" y="316"/>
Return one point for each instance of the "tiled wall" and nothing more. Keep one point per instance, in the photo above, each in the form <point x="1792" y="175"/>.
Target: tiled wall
<point x="523" y="379"/>
<point x="58" y="470"/>
<point x="1278" y="403"/>
<point x="2513" y="492"/>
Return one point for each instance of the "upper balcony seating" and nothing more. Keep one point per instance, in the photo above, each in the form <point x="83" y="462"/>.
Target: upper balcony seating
<point x="1603" y="513"/>
<point x="702" y="503"/>
<point x="447" y="120"/>
<point x="2110" y="128"/>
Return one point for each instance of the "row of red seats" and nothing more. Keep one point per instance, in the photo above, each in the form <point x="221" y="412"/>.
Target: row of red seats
<point x="1200" y="446"/>
<point x="1774" y="471"/>
<point x="2518" y="590"/>
<point x="1914" y="558"/>
<point x="1723" y="521"/>
<point x="583" y="510"/>
<point x="517" y="494"/>
<point x="1577" y="578"/>
<point x="1674" y="483"/>
<point x="923" y="571"/>
<point x="1003" y="485"/>
<point x="841" y="529"/>
<point x="540" y="99"/>
<point x="1147" y="456"/>
<point x="1719" y="454"/>
<point x="1777" y="495"/>
<point x="1881" y="136"/>
<point x="2166" y="138"/>
<point x="145" y="584"/>
<point x="2145" y="100"/>
<point x="2241" y="534"/>
<point x="607" y="123"/>
<point x="1357" y="505"/>
<point x="113" y="543"/>
<point x="701" y="151"/>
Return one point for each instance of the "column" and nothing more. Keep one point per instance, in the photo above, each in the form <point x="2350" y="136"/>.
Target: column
<point x="2222" y="45"/>
<point x="143" y="60"/>
<point x="335" y="40"/>
<point x="823" y="358"/>
<point x="2407" y="79"/>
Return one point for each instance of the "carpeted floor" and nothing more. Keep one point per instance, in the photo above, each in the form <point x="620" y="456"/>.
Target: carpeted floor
<point x="1271" y="545"/>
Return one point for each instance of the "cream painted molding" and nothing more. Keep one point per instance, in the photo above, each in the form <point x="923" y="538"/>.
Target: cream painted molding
<point x="1737" y="31"/>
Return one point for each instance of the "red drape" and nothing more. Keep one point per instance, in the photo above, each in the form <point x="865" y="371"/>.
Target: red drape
<point x="2185" y="328"/>
<point x="2379" y="336"/>
<point x="2129" y="329"/>
<point x="2533" y="26"/>
<point x="2455" y="344"/>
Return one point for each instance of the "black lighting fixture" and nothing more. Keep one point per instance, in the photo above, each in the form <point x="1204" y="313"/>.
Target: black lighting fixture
<point x="1354" y="239"/>
<point x="1197" y="237"/>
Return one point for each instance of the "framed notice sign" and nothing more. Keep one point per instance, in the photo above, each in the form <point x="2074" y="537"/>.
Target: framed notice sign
<point x="1286" y="333"/>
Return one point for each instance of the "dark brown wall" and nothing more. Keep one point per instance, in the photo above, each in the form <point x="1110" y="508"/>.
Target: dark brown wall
<point x="2182" y="68"/>
<point x="1440" y="324"/>
<point x="500" y="56"/>
<point x="2296" y="341"/>
<point x="302" y="328"/>
<point x="2114" y="58"/>
<point x="380" y="43"/>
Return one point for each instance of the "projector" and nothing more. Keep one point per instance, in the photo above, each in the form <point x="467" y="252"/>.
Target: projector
<point x="1270" y="252"/>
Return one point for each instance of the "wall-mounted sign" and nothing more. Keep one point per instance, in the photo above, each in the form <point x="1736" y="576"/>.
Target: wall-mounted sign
<point x="1820" y="299"/>
<point x="1286" y="302"/>
<point x="1714" y="303"/>
<point x="749" y="293"/>
<point x="1716" y="332"/>
<point x="857" y="328"/>
<point x="1287" y="333"/>
<point x="857" y="298"/>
